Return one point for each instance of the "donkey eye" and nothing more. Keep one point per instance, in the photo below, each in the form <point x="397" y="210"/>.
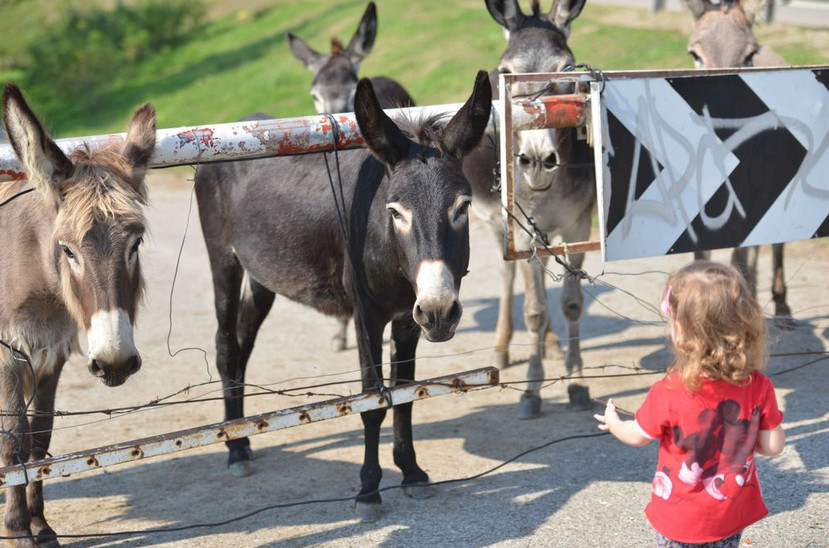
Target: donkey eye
<point x="135" y="246"/>
<point x="395" y="214"/>
<point x="523" y="160"/>
<point x="749" y="60"/>
<point x="68" y="252"/>
<point x="697" y="59"/>
<point x="550" y="162"/>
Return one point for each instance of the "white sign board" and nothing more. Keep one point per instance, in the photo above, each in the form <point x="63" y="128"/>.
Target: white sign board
<point x="695" y="163"/>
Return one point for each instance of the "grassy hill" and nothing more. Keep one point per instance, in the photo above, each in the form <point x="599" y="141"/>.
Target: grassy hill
<point x="239" y="62"/>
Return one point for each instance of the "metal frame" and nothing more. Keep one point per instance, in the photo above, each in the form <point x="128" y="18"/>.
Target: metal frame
<point x="576" y="110"/>
<point x="562" y="111"/>
<point x="129" y="451"/>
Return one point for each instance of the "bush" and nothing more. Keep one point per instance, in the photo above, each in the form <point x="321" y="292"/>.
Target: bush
<point x="86" y="50"/>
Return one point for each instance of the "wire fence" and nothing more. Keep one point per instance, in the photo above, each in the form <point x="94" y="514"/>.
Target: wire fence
<point x="336" y="384"/>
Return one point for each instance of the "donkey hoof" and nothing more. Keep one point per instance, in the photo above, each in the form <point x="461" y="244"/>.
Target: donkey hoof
<point x="579" y="397"/>
<point x="240" y="469"/>
<point x="419" y="491"/>
<point x="47" y="542"/>
<point x="367" y="512"/>
<point x="338" y="344"/>
<point x="529" y="407"/>
<point x="47" y="538"/>
<point x="500" y="359"/>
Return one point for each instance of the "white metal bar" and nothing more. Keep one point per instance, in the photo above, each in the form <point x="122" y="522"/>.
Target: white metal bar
<point x="91" y="459"/>
<point x="285" y="136"/>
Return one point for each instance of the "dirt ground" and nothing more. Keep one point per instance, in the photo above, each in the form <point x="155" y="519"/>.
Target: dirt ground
<point x="579" y="492"/>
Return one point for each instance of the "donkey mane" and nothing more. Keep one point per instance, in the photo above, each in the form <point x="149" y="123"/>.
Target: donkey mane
<point x="337" y="47"/>
<point x="108" y="191"/>
<point x="423" y="129"/>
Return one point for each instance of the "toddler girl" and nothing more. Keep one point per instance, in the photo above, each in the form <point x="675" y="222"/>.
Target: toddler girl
<point x="711" y="412"/>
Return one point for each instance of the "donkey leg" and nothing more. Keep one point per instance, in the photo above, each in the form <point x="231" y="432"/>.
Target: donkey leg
<point x="227" y="282"/>
<point x="744" y="259"/>
<point x="338" y="341"/>
<point x="782" y="312"/>
<point x="369" y="345"/>
<point x="15" y="445"/>
<point x="572" y="306"/>
<point x="41" y="428"/>
<point x="255" y="304"/>
<point x="537" y="320"/>
<point x="404" y="337"/>
<point x="503" y="328"/>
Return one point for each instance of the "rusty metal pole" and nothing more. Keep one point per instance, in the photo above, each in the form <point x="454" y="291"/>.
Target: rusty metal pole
<point x="286" y="136"/>
<point x="91" y="459"/>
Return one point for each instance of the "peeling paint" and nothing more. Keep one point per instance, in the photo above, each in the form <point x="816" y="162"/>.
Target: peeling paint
<point x="203" y="135"/>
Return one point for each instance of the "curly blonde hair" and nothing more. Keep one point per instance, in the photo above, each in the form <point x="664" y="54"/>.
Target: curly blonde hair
<point x="719" y="328"/>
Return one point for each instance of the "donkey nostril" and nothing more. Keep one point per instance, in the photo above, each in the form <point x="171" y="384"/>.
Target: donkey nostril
<point x="420" y="316"/>
<point x="95" y="368"/>
<point x="133" y="364"/>
<point x="455" y="312"/>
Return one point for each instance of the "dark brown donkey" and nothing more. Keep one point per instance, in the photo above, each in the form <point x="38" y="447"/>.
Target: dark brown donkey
<point x="723" y="38"/>
<point x="393" y="244"/>
<point x="335" y="82"/>
<point x="70" y="236"/>
<point x="554" y="183"/>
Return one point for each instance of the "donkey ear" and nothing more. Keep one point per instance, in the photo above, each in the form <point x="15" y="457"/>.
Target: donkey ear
<point x="140" y="143"/>
<point x="506" y="13"/>
<point x="383" y="138"/>
<point x="308" y="56"/>
<point x="565" y="12"/>
<point x="363" y="40"/>
<point x="697" y="7"/>
<point x="46" y="164"/>
<point x="465" y="129"/>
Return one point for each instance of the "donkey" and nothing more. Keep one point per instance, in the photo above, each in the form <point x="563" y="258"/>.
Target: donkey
<point x="271" y="226"/>
<point x="70" y="239"/>
<point x="723" y="38"/>
<point x="335" y="74"/>
<point x="552" y="185"/>
<point x="335" y="82"/>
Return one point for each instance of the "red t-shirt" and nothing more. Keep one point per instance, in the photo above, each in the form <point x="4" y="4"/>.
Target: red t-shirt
<point x="705" y="487"/>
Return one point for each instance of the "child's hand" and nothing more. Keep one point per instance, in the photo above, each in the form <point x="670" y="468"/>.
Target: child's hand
<point x="610" y="416"/>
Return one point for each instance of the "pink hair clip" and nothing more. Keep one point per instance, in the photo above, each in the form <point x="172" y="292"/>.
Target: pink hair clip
<point x="665" y="307"/>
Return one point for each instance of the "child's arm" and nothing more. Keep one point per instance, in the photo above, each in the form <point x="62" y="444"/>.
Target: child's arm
<point x="771" y="442"/>
<point x="625" y="431"/>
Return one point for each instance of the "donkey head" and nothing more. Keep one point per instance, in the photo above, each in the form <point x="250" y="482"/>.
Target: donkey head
<point x="537" y="43"/>
<point x="335" y="74"/>
<point x="722" y="36"/>
<point x="427" y="199"/>
<point x="98" y="227"/>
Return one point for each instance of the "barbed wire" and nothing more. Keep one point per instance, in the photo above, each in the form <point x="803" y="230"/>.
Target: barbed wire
<point x="331" y="500"/>
<point x="306" y="391"/>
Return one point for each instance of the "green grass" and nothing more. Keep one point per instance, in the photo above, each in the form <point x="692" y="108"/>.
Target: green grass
<point x="240" y="62"/>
